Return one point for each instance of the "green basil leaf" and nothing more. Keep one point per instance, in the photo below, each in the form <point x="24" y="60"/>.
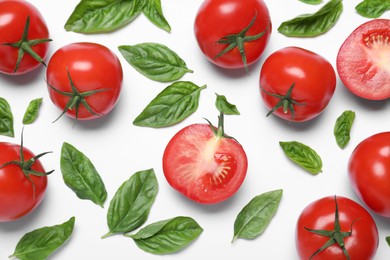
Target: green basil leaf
<point x="32" y="111"/>
<point x="80" y="175"/>
<point x="311" y="2"/>
<point x="388" y="240"/>
<point x="41" y="243"/>
<point x="6" y="119"/>
<point x="342" y="128"/>
<point x="167" y="236"/>
<point x="254" y="218"/>
<point x="310" y="25"/>
<point x="225" y="107"/>
<point x="130" y="207"/>
<point x="373" y="8"/>
<point x="155" y="61"/>
<point x="153" y="11"/>
<point x="96" y="16"/>
<point x="170" y="106"/>
<point x="303" y="156"/>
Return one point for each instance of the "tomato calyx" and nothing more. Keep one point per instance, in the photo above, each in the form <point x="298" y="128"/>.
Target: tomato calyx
<point x="25" y="45"/>
<point x="220" y="130"/>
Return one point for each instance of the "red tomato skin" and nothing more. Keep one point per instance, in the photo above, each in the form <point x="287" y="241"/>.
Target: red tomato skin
<point x="369" y="172"/>
<point x="182" y="154"/>
<point x="16" y="191"/>
<point x="13" y="16"/>
<point x="313" y="75"/>
<point x="92" y="67"/>
<point x="218" y="18"/>
<point x="320" y="215"/>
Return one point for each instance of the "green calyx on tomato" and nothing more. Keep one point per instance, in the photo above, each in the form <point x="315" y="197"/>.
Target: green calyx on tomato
<point x="25" y="45"/>
<point x="220" y="131"/>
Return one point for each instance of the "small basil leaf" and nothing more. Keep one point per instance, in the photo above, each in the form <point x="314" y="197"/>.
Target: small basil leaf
<point x="373" y="8"/>
<point x="303" y="156"/>
<point x="41" y="243"/>
<point x="254" y="218"/>
<point x="225" y="107"/>
<point x="388" y="240"/>
<point x="32" y="111"/>
<point x="170" y="106"/>
<point x="167" y="236"/>
<point x="310" y="25"/>
<point x="6" y="119"/>
<point x="130" y="207"/>
<point x="153" y="11"/>
<point x="155" y="61"/>
<point x="80" y="175"/>
<point x="311" y="2"/>
<point x="342" y="128"/>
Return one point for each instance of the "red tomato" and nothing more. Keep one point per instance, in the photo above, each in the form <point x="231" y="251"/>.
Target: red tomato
<point x="204" y="165"/>
<point x="357" y="230"/>
<point x="369" y="172"/>
<point x="363" y="60"/>
<point x="296" y="84"/>
<point x="221" y="19"/>
<point x="13" y="18"/>
<point x="84" y="80"/>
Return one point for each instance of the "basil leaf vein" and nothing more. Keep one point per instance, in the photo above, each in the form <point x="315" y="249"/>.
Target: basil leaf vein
<point x="32" y="111"/>
<point x="6" y="119"/>
<point x="342" y="128"/>
<point x="373" y="8"/>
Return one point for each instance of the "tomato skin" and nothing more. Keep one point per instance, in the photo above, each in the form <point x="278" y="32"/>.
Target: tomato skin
<point x="194" y="155"/>
<point x="218" y="18"/>
<point x="13" y="16"/>
<point x="92" y="67"/>
<point x="369" y="172"/>
<point x="313" y="76"/>
<point x="320" y="215"/>
<point x="16" y="191"/>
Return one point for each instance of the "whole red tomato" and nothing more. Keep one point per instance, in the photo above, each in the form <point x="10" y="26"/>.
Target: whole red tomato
<point x="336" y="228"/>
<point x="233" y="33"/>
<point x="296" y="84"/>
<point x="24" y="37"/>
<point x="84" y="80"/>
<point x="369" y="172"/>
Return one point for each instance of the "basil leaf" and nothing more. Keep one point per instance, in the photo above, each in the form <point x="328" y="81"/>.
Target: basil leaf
<point x="225" y="107"/>
<point x="388" y="240"/>
<point x="311" y="2"/>
<point x="310" y="25"/>
<point x="95" y="16"/>
<point x="41" y="243"/>
<point x="343" y="127"/>
<point x="373" y="8"/>
<point x="153" y="11"/>
<point x="80" y="175"/>
<point x="254" y="218"/>
<point x="167" y="236"/>
<point x="130" y="207"/>
<point x="6" y="119"/>
<point x="303" y="156"/>
<point x="155" y="61"/>
<point x="32" y="111"/>
<point x="170" y="106"/>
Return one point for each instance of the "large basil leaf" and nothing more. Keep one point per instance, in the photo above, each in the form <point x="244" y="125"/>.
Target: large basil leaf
<point x="225" y="107"/>
<point x="80" y="175"/>
<point x="311" y="2"/>
<point x="155" y="61"/>
<point x="310" y="25"/>
<point x="41" y="243"/>
<point x="303" y="156"/>
<point x="170" y="106"/>
<point x="254" y="218"/>
<point x="32" y="111"/>
<point x="167" y="236"/>
<point x="153" y="11"/>
<point x="6" y="119"/>
<point x="130" y="207"/>
<point x="373" y="8"/>
<point x="342" y="128"/>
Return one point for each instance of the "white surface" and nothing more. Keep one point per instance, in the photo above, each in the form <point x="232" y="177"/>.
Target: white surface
<point x="118" y="149"/>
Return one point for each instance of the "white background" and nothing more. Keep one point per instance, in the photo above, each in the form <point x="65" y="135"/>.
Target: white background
<point x="118" y="149"/>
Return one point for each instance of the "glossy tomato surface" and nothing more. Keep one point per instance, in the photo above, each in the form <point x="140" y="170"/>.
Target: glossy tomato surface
<point x="13" y="16"/>
<point x="311" y="75"/>
<point x="216" y="19"/>
<point x="202" y="166"/>
<point x="17" y="196"/>
<point x="363" y="60"/>
<point x="320" y="215"/>
<point x="89" y="67"/>
<point x="369" y="172"/>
